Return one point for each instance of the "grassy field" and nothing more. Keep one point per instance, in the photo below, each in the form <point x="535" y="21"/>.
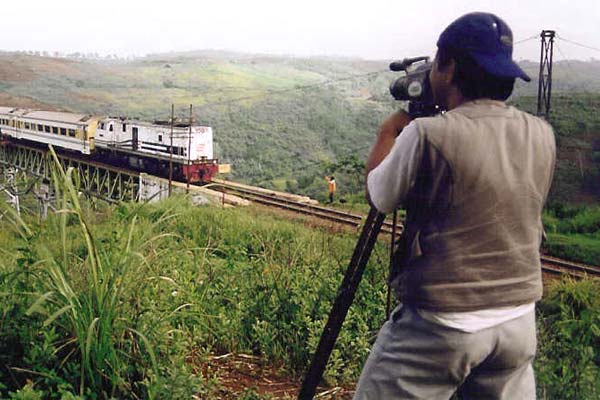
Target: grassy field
<point x="114" y="308"/>
<point x="131" y="301"/>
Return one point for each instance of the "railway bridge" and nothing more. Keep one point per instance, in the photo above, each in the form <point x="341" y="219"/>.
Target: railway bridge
<point x="106" y="182"/>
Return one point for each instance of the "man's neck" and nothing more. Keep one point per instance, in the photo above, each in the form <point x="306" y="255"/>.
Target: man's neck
<point x="455" y="99"/>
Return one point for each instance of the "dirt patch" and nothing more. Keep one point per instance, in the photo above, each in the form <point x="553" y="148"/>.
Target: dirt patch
<point x="240" y="374"/>
<point x="12" y="71"/>
<point x="56" y="66"/>
<point x="8" y="100"/>
<point x="24" y="68"/>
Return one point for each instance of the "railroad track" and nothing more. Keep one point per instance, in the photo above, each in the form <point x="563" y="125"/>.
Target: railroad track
<point x="274" y="199"/>
<point x="557" y="266"/>
<point x="550" y="265"/>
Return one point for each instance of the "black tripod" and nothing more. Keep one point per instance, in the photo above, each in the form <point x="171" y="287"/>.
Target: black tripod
<point x="342" y="303"/>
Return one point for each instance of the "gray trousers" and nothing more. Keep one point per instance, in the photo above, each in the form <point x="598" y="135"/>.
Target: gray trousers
<point x="416" y="359"/>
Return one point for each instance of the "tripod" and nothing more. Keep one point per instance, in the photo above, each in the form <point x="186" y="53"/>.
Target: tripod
<point x="343" y="301"/>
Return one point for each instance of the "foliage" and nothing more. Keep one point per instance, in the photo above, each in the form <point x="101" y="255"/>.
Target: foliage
<point x="573" y="232"/>
<point x="568" y="363"/>
<point x="282" y="119"/>
<point x="195" y="281"/>
<point x="84" y="329"/>
<point x="113" y="308"/>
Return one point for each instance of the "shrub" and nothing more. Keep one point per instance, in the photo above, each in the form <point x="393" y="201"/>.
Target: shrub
<point x="568" y="363"/>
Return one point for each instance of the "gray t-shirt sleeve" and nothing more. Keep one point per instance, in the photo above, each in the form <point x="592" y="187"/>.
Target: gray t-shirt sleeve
<point x="389" y="183"/>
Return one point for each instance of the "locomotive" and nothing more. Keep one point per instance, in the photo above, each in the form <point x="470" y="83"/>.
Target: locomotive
<point x="138" y="145"/>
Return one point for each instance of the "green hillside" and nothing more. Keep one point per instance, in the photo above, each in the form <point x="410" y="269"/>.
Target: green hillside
<point x="287" y="122"/>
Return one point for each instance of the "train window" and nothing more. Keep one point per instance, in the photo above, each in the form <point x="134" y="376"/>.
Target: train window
<point x="40" y="128"/>
<point x="33" y="127"/>
<point x="124" y="127"/>
<point x="55" y="130"/>
<point x="26" y="125"/>
<point x="46" y="129"/>
<point x="102" y="125"/>
<point x="160" y="138"/>
<point x="110" y="128"/>
<point x="72" y="132"/>
<point x="63" y="131"/>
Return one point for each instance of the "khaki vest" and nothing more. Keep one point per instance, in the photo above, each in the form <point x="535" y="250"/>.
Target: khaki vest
<point x="474" y="214"/>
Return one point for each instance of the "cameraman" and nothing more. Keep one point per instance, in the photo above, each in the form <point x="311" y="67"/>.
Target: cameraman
<point x="474" y="181"/>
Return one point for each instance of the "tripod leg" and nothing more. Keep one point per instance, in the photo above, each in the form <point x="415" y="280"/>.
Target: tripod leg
<point x="342" y="303"/>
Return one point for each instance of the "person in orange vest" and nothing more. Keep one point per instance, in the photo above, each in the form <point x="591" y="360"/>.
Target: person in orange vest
<point x="332" y="188"/>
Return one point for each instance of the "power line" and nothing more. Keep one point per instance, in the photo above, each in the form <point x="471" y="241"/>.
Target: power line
<point x="578" y="44"/>
<point x="525" y="40"/>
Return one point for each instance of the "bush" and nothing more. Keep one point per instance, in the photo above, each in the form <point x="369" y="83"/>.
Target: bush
<point x="573" y="233"/>
<point x="568" y="362"/>
<point x="578" y="248"/>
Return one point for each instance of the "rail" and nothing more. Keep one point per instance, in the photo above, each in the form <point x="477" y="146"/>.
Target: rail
<point x="557" y="266"/>
<point x="275" y="199"/>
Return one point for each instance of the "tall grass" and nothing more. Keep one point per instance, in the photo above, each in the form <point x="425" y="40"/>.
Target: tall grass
<point x="568" y="364"/>
<point x="88" y="292"/>
<point x="129" y="301"/>
<point x="115" y="302"/>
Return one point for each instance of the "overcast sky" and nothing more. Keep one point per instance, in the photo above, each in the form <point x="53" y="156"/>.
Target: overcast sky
<point x="372" y="29"/>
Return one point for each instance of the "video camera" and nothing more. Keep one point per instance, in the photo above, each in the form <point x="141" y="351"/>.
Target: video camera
<point x="414" y="86"/>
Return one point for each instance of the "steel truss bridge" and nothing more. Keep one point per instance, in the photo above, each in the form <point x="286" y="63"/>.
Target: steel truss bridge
<point x="94" y="179"/>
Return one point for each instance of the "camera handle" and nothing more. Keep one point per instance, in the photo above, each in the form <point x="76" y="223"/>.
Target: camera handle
<point x="343" y="301"/>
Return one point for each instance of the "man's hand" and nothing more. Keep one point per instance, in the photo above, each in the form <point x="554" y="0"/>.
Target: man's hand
<point x="388" y="131"/>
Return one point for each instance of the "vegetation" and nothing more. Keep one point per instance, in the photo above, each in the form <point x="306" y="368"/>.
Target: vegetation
<point x="568" y="361"/>
<point x="130" y="301"/>
<point x="287" y="122"/>
<point x="133" y="304"/>
<point x="573" y="233"/>
<point x="116" y="308"/>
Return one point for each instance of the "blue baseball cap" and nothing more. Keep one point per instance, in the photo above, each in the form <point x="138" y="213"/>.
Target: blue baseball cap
<point x="487" y="39"/>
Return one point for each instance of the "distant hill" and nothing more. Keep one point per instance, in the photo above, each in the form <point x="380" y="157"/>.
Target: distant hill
<point x="281" y="121"/>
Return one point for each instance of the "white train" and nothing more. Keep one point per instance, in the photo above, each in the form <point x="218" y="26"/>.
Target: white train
<point x="149" y="147"/>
